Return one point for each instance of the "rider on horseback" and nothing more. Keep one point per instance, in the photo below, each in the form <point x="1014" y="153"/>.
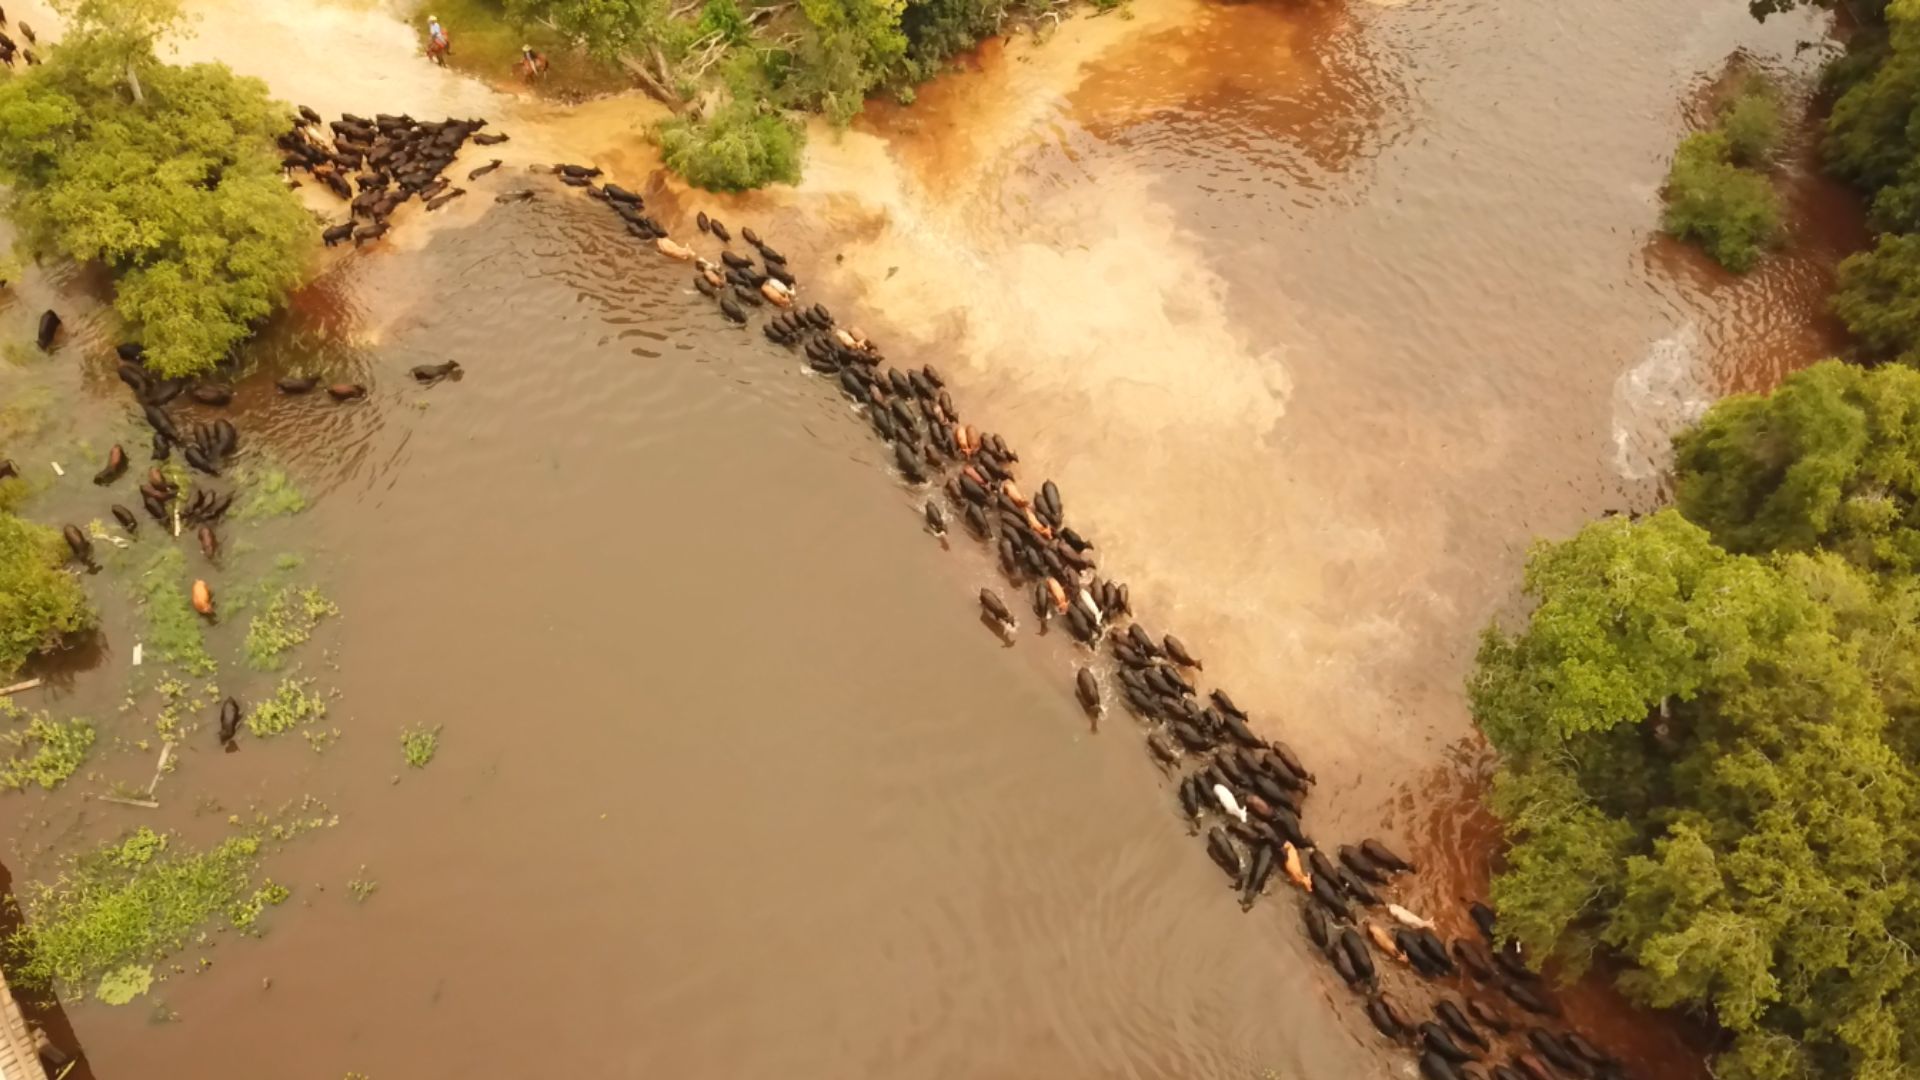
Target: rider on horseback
<point x="533" y="65"/>
<point x="437" y="43"/>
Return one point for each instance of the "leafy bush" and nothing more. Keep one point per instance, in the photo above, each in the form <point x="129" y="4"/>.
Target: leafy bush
<point x="736" y="149"/>
<point x="1733" y="213"/>
<point x="1751" y="122"/>
<point x="723" y="17"/>
<point x="39" y="602"/>
<point x="167" y="175"/>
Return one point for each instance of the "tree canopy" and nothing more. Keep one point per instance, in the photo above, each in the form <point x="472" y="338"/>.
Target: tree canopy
<point x="165" y="174"/>
<point x="742" y="72"/>
<point x="1708" y="731"/>
<point x="1873" y="142"/>
<point x="1831" y="460"/>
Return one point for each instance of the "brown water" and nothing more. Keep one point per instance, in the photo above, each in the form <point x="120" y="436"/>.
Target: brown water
<point x="1317" y="312"/>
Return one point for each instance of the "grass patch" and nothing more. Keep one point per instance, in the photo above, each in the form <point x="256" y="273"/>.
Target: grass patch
<point x="418" y="745"/>
<point x="288" y="622"/>
<point x="270" y="493"/>
<point x="47" y="753"/>
<point x="486" y="44"/>
<point x="292" y="704"/>
<point x="174" y="633"/>
<point x="127" y="903"/>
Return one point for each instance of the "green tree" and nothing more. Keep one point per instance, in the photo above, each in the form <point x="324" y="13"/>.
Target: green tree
<point x="609" y="29"/>
<point x="1868" y="141"/>
<point x="1733" y="213"/>
<point x="1699" y="775"/>
<point x="855" y="45"/>
<point x="938" y="29"/>
<point x="1829" y="460"/>
<point x="1877" y="294"/>
<point x="126" y="33"/>
<point x="39" y="601"/>
<point x="167" y="175"/>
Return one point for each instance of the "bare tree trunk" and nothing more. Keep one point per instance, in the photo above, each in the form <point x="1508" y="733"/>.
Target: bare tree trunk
<point x="133" y="84"/>
<point x="654" y="88"/>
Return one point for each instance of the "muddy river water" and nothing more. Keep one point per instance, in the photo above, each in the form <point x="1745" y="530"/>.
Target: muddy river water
<point x="1317" y="312"/>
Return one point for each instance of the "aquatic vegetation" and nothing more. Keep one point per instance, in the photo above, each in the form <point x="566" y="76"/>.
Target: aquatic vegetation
<point x="122" y="985"/>
<point x="293" y="703"/>
<point x="418" y="745"/>
<point x="362" y="887"/>
<point x="47" y="753"/>
<point x="288" y="621"/>
<point x="245" y="913"/>
<point x="128" y="902"/>
<point x="39" y="602"/>
<point x="174" y="633"/>
<point x="270" y="493"/>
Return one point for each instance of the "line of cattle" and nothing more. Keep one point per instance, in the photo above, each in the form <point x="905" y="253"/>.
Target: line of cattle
<point x="1246" y="791"/>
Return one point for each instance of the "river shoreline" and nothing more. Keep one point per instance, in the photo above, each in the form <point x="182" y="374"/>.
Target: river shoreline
<point x="911" y="252"/>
